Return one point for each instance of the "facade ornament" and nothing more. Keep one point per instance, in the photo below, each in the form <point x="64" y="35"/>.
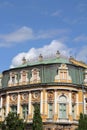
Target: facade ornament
<point x="57" y="54"/>
<point x="50" y="95"/>
<point x="24" y="60"/>
<point x="36" y="96"/>
<point x="24" y="77"/>
<point x="35" y="76"/>
<point x="13" y="79"/>
<point x="63" y="74"/>
<point x="40" y="58"/>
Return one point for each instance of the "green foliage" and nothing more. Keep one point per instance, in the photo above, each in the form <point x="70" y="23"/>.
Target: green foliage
<point x="12" y="122"/>
<point x="37" y="120"/>
<point x="82" y="122"/>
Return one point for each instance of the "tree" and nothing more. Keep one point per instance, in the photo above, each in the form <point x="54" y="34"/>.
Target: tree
<point x="12" y="122"/>
<point x="82" y="122"/>
<point x="37" y="120"/>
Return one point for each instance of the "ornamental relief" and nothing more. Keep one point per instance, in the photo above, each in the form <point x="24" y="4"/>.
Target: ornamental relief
<point x="35" y="76"/>
<point x="13" y="98"/>
<point x="24" y="77"/>
<point x="36" y="96"/>
<point x="24" y="97"/>
<point x="50" y="95"/>
<point x="63" y="74"/>
<point x="63" y="93"/>
<point x="3" y="100"/>
<point x="13" y="79"/>
<point x="73" y="97"/>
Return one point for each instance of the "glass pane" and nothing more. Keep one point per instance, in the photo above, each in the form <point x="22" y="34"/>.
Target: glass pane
<point x="14" y="109"/>
<point x="25" y="111"/>
<point x="62" y="111"/>
<point x="50" y="110"/>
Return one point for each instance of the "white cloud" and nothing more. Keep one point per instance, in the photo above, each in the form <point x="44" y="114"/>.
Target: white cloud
<point x="56" y="13"/>
<point x="25" y="34"/>
<point x="82" y="54"/>
<point x="20" y="35"/>
<point x="45" y="50"/>
<point x="51" y="49"/>
<point x="81" y="38"/>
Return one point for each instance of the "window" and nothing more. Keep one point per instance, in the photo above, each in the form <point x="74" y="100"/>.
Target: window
<point x="62" y="106"/>
<point x="73" y="111"/>
<point x="25" y="111"/>
<point x="63" y="74"/>
<point x="50" y="110"/>
<point x="14" y="109"/>
<point x="62" y="110"/>
<point x="35" y="76"/>
<point x="13" y="79"/>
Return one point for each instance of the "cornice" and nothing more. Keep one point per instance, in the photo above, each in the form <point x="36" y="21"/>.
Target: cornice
<point x="78" y="63"/>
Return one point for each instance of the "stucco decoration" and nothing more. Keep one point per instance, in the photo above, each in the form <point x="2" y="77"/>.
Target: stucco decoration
<point x="24" y="77"/>
<point x="63" y="74"/>
<point x="36" y="96"/>
<point x="35" y="76"/>
<point x="50" y="95"/>
<point x="13" y="79"/>
<point x="24" y="98"/>
<point x="3" y="101"/>
<point x="13" y="99"/>
<point x="73" y="97"/>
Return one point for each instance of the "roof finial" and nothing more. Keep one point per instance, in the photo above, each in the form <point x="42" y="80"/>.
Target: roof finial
<point x="24" y="60"/>
<point x="57" y="54"/>
<point x="40" y="57"/>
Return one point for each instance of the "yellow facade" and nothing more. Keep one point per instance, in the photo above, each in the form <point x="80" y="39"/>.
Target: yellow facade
<point x="60" y="101"/>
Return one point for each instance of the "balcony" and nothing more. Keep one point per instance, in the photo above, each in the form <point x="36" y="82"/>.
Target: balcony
<point x="63" y="120"/>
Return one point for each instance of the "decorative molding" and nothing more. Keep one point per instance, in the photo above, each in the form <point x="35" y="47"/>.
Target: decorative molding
<point x="24" y="77"/>
<point x="63" y="74"/>
<point x="13" y="79"/>
<point x="36" y="96"/>
<point x="35" y="76"/>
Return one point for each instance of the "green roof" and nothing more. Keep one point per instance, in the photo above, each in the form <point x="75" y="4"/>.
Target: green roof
<point x="46" y="61"/>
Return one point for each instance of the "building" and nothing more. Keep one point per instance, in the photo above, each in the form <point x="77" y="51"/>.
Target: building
<point x="58" y="84"/>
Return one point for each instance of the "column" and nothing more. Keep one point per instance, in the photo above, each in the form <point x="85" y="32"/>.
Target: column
<point x="7" y="104"/>
<point x="77" y="105"/>
<point x="30" y="103"/>
<point x="55" y="103"/>
<point x="84" y="105"/>
<point x="1" y="106"/>
<point x="18" y="104"/>
<point x="70" y="104"/>
<point x="45" y="103"/>
<point x="41" y="103"/>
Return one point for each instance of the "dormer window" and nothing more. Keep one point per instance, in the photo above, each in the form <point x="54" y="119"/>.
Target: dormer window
<point x="13" y="79"/>
<point x="63" y="74"/>
<point x="35" y="76"/>
<point x="24" y="77"/>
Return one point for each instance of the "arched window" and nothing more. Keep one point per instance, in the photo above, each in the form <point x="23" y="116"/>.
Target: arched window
<point x="62" y="107"/>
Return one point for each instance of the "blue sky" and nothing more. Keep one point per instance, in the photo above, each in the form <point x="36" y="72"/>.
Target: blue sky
<point x="28" y="28"/>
